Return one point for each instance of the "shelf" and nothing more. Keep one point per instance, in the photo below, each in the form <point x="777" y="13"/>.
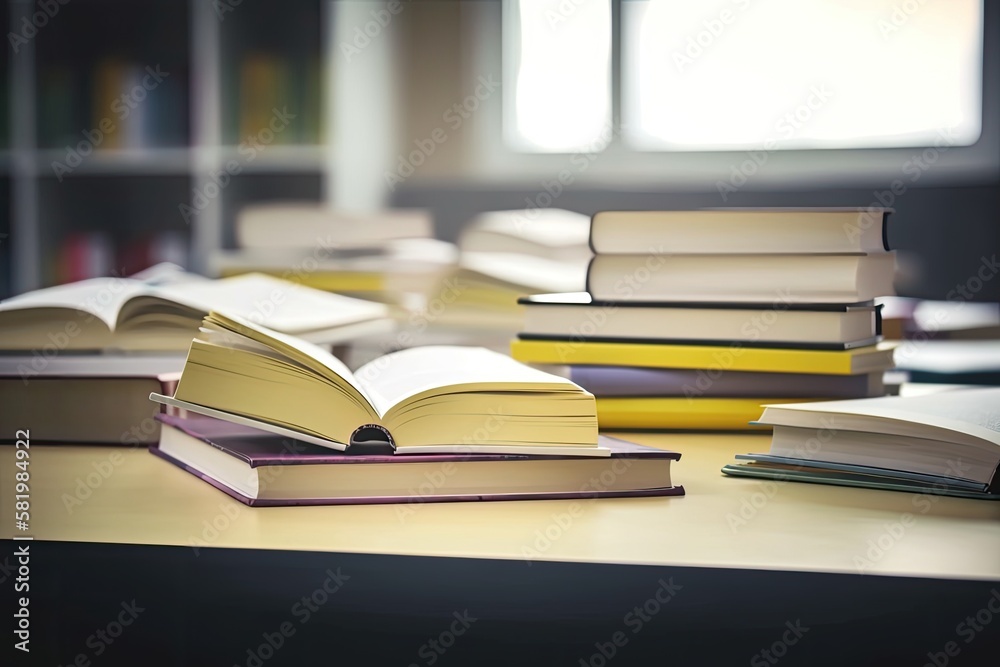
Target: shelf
<point x="183" y="160"/>
<point x="125" y="162"/>
<point x="218" y="76"/>
<point x="278" y="158"/>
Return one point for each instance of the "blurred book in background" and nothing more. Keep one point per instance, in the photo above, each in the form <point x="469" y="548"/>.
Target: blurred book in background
<point x="306" y="225"/>
<point x="269" y="84"/>
<point x="265" y="84"/>
<point x="386" y="256"/>
<point x="904" y="317"/>
<point x="974" y="362"/>
<point x="505" y="255"/>
<point x="86" y="398"/>
<point x="553" y="234"/>
<point x="84" y="255"/>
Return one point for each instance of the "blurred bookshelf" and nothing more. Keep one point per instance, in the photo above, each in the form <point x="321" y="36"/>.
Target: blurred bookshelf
<point x="6" y="269"/>
<point x="138" y="130"/>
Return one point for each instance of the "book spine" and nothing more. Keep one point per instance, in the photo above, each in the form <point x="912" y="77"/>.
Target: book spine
<point x="590" y="237"/>
<point x="885" y="230"/>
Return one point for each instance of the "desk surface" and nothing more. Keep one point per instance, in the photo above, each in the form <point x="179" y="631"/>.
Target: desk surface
<point x="722" y="522"/>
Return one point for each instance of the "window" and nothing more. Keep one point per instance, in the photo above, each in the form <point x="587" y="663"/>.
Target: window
<point x="557" y="54"/>
<point x="719" y="75"/>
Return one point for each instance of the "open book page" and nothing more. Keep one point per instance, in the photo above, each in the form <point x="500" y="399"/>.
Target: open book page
<point x="974" y="412"/>
<point x="101" y="297"/>
<point x="396" y="377"/>
<point x="275" y="303"/>
<point x="311" y="356"/>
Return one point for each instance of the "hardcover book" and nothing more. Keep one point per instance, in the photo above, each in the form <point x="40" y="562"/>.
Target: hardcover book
<point x="87" y="398"/>
<point x="735" y="357"/>
<point x="780" y="324"/>
<point x="629" y="381"/>
<point x="753" y="279"/>
<point x="262" y="469"/>
<point x="741" y="230"/>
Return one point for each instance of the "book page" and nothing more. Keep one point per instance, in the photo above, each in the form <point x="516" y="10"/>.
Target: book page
<point x="101" y="297"/>
<point x="396" y="377"/>
<point x="311" y="356"/>
<point x="274" y="303"/>
<point x="974" y="412"/>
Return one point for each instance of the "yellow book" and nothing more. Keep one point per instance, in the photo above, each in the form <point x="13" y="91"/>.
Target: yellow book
<point x="109" y="83"/>
<point x="264" y="87"/>
<point x="330" y="281"/>
<point x="733" y="357"/>
<point x="685" y="413"/>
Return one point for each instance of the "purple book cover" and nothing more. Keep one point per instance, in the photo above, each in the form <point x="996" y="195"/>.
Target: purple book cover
<point x="634" y="381"/>
<point x="258" y="448"/>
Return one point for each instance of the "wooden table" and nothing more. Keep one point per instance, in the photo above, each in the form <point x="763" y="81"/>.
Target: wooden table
<point x="749" y="556"/>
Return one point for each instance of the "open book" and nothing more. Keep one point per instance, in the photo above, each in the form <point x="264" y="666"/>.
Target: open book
<point x="131" y="314"/>
<point x="946" y="443"/>
<point x="420" y="400"/>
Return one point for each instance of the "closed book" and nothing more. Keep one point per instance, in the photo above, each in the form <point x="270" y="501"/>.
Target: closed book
<point x="551" y="233"/>
<point x="631" y="381"/>
<point x="780" y="469"/>
<point x="761" y="279"/>
<point x="951" y="436"/>
<point x="724" y="414"/>
<point x="951" y="361"/>
<point x="85" y="398"/>
<point x="780" y="324"/>
<point x="390" y="271"/>
<point x="741" y="230"/>
<point x="734" y="357"/>
<point x="321" y="230"/>
<point x="261" y="469"/>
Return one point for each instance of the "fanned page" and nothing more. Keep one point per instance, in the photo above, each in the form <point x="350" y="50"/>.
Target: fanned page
<point x="279" y="304"/>
<point x="974" y="412"/>
<point x="313" y="357"/>
<point x="400" y="376"/>
<point x="101" y="297"/>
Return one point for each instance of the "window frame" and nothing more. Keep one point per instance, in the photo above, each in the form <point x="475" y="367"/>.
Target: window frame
<point x="618" y="164"/>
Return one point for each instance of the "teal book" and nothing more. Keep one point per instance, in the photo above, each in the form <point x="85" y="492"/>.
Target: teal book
<point x="780" y="469"/>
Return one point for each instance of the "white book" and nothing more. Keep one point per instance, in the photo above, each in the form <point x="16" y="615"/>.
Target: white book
<point x="552" y="233"/>
<point x="305" y="225"/>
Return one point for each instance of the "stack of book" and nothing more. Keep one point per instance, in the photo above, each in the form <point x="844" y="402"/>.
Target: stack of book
<point x="695" y="319"/>
<point x="386" y="256"/>
<point x="278" y="421"/>
<point x="945" y="443"/>
<point x="504" y="255"/>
